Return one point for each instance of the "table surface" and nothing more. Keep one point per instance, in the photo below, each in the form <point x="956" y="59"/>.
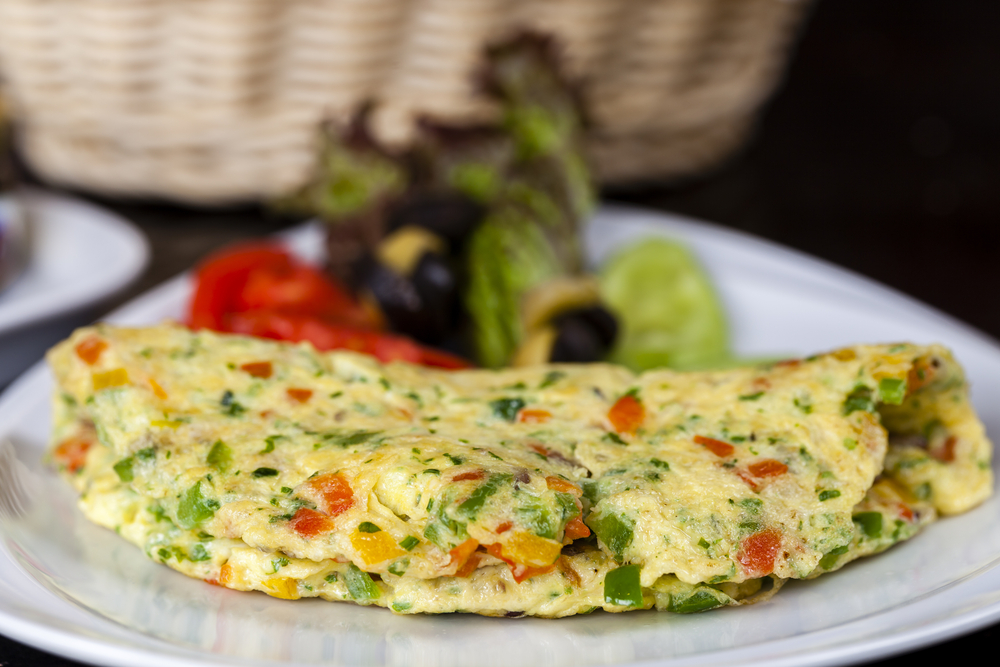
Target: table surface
<point x="881" y="153"/>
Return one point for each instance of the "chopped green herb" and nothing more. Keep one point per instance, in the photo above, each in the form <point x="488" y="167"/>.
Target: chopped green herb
<point x="231" y="407"/>
<point x="220" y="456"/>
<point x="199" y="553"/>
<point x="475" y="502"/>
<point x="869" y="522"/>
<point x="409" y="542"/>
<point x="551" y="378"/>
<point x="398" y="567"/>
<point x="124" y="469"/>
<point x="850" y="443"/>
<point x="700" y="600"/>
<point x="615" y="531"/>
<point x="507" y="408"/>
<point x="147" y="454"/>
<point x="368" y="527"/>
<point x="456" y="460"/>
<point x="830" y="558"/>
<point x="860" y="398"/>
<point x="803" y="404"/>
<point x="622" y="587"/>
<point x="265" y="472"/>
<point x="611" y="436"/>
<point x="360" y="585"/>
<point x="401" y="606"/>
<point x="195" y="508"/>
<point x="892" y="390"/>
<point x="827" y="494"/>
<point x="660" y="464"/>
<point x="751" y="397"/>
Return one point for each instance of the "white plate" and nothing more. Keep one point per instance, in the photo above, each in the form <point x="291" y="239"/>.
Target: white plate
<point x="79" y="254"/>
<point x="72" y="588"/>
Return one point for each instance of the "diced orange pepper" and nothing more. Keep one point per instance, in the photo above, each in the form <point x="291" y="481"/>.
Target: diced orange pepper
<point x="375" y="547"/>
<point x="758" y="552"/>
<point x="767" y="468"/>
<point x="157" y="390"/>
<point x="300" y="395"/>
<point x="559" y="484"/>
<point x="226" y="575"/>
<point x="904" y="511"/>
<point x="116" y="378"/>
<point x="627" y="414"/>
<point x="258" y="369"/>
<point x="575" y="529"/>
<point x="281" y="587"/>
<point x="463" y="551"/>
<point x="519" y="571"/>
<point x="533" y="416"/>
<point x="717" y="447"/>
<point x="90" y="348"/>
<point x="309" y="523"/>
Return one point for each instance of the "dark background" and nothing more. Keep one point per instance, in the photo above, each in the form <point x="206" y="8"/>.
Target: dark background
<point x="881" y="153"/>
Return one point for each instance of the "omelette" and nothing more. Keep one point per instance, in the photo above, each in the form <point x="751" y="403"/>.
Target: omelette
<point x="548" y="491"/>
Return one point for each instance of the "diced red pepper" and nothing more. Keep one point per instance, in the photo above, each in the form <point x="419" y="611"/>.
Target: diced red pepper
<point x="472" y="474"/>
<point x="627" y="414"/>
<point x="904" y="511"/>
<point x="258" y="369"/>
<point x="946" y="452"/>
<point x="309" y="523"/>
<point x="72" y="452"/>
<point x="717" y="447"/>
<point x="575" y="529"/>
<point x="300" y="395"/>
<point x="767" y="468"/>
<point x="519" y="571"/>
<point x="334" y="491"/>
<point x="758" y="552"/>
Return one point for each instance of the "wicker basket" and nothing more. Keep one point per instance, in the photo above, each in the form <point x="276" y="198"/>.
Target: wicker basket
<point x="214" y="101"/>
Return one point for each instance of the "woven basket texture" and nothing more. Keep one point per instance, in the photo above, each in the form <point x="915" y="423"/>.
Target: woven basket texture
<point x="215" y="101"/>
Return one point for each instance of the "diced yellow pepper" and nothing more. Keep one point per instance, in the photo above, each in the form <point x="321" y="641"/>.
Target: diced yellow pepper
<point x="375" y="547"/>
<point x="281" y="587"/>
<point x="114" y="378"/>
<point x="531" y="550"/>
<point x="165" y="423"/>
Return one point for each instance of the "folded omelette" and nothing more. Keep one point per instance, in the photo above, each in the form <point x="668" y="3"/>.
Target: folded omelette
<point x="547" y="491"/>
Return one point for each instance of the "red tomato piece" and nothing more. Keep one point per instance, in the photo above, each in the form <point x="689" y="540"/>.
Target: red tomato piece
<point x="220" y="279"/>
<point x="717" y="447"/>
<point x="503" y="527"/>
<point x="758" y="552"/>
<point x="946" y="452"/>
<point x="310" y="523"/>
<point x="300" y="395"/>
<point x="904" y="511"/>
<point x="627" y="414"/>
<point x="334" y="491"/>
<point x="90" y="348"/>
<point x="767" y="468"/>
<point x="329" y="336"/>
<point x="258" y="369"/>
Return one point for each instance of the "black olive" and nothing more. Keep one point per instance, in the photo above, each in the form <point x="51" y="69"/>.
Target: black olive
<point x="450" y="215"/>
<point x="603" y="321"/>
<point x="423" y="306"/>
<point x="583" y="335"/>
<point x="437" y="286"/>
